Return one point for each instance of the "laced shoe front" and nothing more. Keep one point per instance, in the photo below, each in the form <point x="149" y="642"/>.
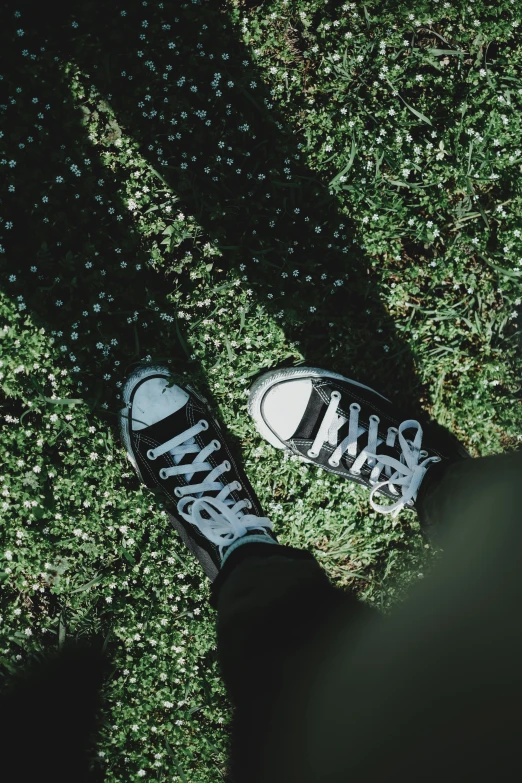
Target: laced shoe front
<point x="349" y="429"/>
<point x="408" y="472"/>
<point x="172" y="440"/>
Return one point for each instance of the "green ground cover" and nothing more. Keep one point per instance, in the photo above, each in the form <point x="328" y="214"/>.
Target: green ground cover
<point x="230" y="187"/>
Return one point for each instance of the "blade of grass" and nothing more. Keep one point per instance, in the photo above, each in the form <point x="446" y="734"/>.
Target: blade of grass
<point x="348" y="166"/>
<point x="61" y="631"/>
<point x="174" y="761"/>
<point x="414" y="111"/>
<point x="86" y="586"/>
<point x="378" y="166"/>
<point x="456" y="52"/>
<point x="469" y="157"/>
<point x="505" y="272"/>
<point x="230" y="352"/>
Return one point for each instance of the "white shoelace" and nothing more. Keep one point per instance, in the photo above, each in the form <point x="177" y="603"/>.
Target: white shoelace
<point x="409" y="473"/>
<point x="227" y="522"/>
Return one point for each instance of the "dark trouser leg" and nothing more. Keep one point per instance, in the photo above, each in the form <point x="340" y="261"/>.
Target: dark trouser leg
<point x="290" y="645"/>
<point x="272" y="601"/>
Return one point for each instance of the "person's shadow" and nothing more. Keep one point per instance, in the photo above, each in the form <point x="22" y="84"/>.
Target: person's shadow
<point x="49" y="713"/>
<point x="257" y="204"/>
<point x="325" y="293"/>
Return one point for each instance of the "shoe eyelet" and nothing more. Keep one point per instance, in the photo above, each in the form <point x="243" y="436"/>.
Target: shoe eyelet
<point x="216" y="444"/>
<point x="150" y="454"/>
<point x="355" y="406"/>
<point x="163" y="474"/>
<point x="227" y="465"/>
<point x="202" y="421"/>
<point x="177" y="492"/>
<point x="375" y="418"/>
<point x="249" y="504"/>
<point x="333" y="463"/>
<point x="238" y="486"/>
<point x="312" y="454"/>
<point x="335" y="395"/>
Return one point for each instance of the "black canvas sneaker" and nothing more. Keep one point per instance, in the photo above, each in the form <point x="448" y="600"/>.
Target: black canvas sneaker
<point x="351" y="430"/>
<point x="178" y="449"/>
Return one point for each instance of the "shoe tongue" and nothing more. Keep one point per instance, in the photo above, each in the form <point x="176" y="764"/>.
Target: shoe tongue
<point x="165" y="429"/>
<point x="168" y="428"/>
<point x="313" y="416"/>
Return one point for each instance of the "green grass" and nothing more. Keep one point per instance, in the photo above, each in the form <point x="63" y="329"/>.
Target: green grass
<point x="345" y="195"/>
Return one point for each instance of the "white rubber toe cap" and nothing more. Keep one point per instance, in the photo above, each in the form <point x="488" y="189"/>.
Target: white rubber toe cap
<point x="284" y="405"/>
<point x="151" y="404"/>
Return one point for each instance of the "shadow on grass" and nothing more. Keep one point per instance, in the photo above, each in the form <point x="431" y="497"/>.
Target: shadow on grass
<point x="350" y="327"/>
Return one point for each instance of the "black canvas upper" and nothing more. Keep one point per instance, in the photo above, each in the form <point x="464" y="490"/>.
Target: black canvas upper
<point x="151" y="437"/>
<point x="436" y="440"/>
